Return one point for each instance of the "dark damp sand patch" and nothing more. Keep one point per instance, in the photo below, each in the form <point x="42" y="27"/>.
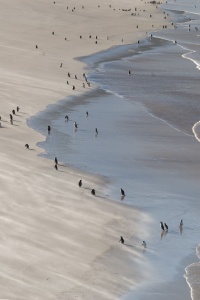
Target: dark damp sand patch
<point x="125" y="51"/>
<point x="120" y="52"/>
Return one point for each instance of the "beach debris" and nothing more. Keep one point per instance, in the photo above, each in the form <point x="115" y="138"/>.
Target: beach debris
<point x="121" y="240"/>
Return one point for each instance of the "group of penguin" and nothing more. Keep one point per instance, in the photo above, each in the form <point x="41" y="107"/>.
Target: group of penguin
<point x="164" y="226"/>
<point x="93" y="192"/>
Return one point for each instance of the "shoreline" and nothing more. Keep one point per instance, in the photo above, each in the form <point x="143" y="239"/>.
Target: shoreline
<point x="192" y="275"/>
<point x="42" y="225"/>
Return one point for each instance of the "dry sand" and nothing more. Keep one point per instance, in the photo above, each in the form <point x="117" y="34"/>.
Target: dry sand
<point x="57" y="240"/>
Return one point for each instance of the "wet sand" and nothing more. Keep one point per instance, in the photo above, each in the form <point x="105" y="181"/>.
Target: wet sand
<point x="165" y="172"/>
<point x="58" y="241"/>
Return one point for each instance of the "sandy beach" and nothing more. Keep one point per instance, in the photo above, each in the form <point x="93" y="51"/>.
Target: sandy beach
<point x="57" y="240"/>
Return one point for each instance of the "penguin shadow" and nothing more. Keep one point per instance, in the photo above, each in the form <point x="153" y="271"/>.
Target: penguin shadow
<point x="150" y="249"/>
<point x="123" y="197"/>
<point x="62" y="165"/>
<point x="61" y="171"/>
<point x="181" y="230"/>
<point x="23" y="113"/>
<point x="97" y="196"/>
<point x="86" y="188"/>
<point x="77" y="90"/>
<point x="129" y="245"/>
<point x="101" y="196"/>
<point x="31" y="149"/>
<point x="163" y="234"/>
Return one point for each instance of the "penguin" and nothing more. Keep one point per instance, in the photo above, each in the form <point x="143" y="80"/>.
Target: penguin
<point x="93" y="192"/>
<point x="122" y="192"/>
<point x="162" y="226"/>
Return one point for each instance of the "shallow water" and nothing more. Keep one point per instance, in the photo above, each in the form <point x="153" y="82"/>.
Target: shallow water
<point x="145" y="142"/>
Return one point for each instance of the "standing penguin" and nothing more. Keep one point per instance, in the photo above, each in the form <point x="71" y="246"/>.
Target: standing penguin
<point x="121" y="240"/>
<point x="162" y="226"/>
<point x="93" y="192"/>
<point x="166" y="227"/>
<point x="122" y="192"/>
